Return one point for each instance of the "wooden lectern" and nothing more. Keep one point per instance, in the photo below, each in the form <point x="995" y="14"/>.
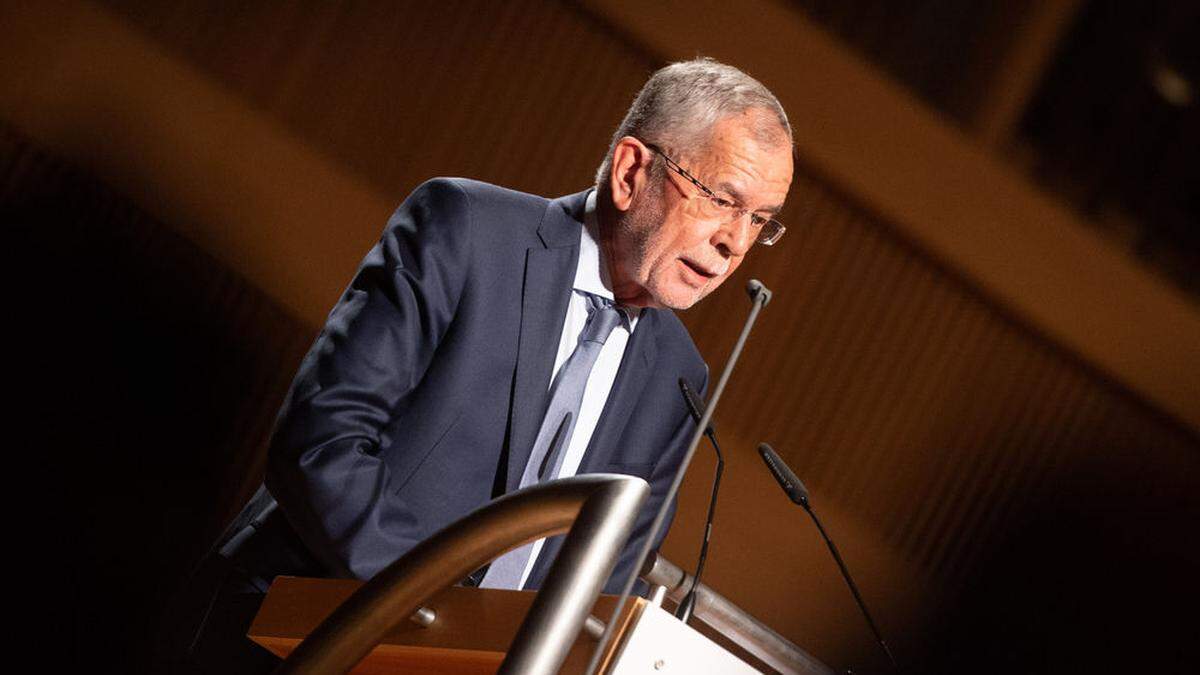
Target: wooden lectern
<point x="469" y="634"/>
<point x="470" y="630"/>
<point x="410" y="618"/>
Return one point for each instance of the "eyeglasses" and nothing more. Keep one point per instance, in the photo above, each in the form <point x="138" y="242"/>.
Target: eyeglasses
<point x="767" y="230"/>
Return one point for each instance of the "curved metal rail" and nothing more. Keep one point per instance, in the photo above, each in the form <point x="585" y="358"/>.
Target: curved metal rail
<point x="602" y="507"/>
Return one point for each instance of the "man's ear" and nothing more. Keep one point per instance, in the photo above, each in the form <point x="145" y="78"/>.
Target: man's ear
<point x="630" y="157"/>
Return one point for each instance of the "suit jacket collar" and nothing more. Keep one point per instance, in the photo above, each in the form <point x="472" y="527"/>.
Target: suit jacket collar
<point x="562" y="221"/>
<point x="549" y="271"/>
<point x="549" y="275"/>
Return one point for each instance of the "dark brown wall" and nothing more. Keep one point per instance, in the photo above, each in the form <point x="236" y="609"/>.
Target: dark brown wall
<point x="523" y="93"/>
<point x="144" y="375"/>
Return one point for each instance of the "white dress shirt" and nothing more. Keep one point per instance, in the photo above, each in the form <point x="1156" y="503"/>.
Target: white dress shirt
<point x="591" y="276"/>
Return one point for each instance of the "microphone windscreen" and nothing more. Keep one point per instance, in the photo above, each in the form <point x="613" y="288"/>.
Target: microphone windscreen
<point x="693" y="403"/>
<point x="755" y="288"/>
<point x="784" y="476"/>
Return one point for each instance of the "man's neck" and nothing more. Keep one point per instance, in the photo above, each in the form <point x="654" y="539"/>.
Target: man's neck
<point x="626" y="291"/>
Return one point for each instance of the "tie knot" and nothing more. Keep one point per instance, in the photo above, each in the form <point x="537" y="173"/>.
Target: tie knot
<point x="603" y="317"/>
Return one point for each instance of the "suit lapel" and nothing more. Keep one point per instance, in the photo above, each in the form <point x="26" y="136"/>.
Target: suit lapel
<point x="549" y="276"/>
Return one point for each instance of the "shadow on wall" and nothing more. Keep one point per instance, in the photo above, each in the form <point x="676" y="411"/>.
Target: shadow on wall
<point x="149" y="378"/>
<point x="1099" y="576"/>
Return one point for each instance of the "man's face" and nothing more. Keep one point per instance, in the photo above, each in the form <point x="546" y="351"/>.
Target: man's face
<point x="673" y="247"/>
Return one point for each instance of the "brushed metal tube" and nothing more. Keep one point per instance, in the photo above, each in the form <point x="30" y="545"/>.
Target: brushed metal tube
<point x="423" y="617"/>
<point x="733" y="622"/>
<point x="603" y="508"/>
<point x="593" y="627"/>
<point x="587" y="557"/>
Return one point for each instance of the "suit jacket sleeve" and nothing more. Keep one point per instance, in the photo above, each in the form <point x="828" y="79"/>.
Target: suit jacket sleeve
<point x="324" y="463"/>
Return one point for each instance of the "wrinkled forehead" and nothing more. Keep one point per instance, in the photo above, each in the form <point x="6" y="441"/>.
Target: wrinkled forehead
<point x="742" y="162"/>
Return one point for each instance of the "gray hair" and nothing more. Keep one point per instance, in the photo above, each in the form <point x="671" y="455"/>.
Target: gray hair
<point x="680" y="103"/>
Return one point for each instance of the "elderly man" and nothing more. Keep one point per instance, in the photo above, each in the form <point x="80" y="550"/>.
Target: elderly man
<point x="494" y="339"/>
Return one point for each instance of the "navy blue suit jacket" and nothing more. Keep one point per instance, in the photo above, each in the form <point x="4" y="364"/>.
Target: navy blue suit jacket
<point x="420" y="399"/>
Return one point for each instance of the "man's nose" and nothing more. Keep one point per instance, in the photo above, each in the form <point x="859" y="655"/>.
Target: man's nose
<point x="736" y="236"/>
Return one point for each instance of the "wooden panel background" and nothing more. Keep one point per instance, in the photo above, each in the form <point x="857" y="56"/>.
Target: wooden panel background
<point x="899" y="392"/>
<point x="932" y="425"/>
<point x="399" y="92"/>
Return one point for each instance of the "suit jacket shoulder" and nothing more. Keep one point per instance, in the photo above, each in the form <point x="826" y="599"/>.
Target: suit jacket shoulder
<point x="483" y="206"/>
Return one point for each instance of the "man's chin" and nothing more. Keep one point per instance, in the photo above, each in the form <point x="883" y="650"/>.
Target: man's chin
<point x="678" y="297"/>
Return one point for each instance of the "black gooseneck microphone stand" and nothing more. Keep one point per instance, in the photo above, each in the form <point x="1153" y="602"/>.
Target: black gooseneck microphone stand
<point x="684" y="612"/>
<point x="759" y="297"/>
<point x="799" y="495"/>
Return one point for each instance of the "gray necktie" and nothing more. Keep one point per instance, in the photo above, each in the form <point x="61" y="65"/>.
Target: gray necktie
<point x="566" y="396"/>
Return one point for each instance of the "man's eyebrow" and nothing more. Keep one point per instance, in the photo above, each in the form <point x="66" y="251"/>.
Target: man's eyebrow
<point x="731" y="190"/>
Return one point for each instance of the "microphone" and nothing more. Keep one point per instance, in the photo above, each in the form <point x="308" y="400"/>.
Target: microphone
<point x="755" y="289"/>
<point x="759" y="295"/>
<point x="783" y="475"/>
<point x="692" y="399"/>
<point x="799" y="494"/>
<point x="684" y="612"/>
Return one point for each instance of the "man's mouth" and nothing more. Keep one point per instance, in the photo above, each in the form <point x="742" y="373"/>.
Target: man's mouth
<point x="699" y="269"/>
